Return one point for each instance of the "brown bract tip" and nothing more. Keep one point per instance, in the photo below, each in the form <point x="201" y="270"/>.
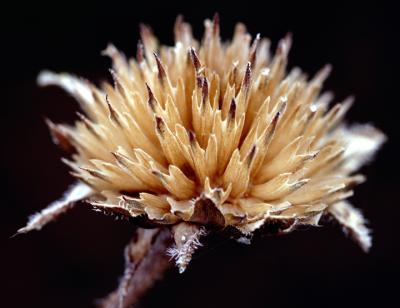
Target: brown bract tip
<point x="151" y="100"/>
<point x="195" y="59"/>
<point x="112" y="112"/>
<point x="232" y="108"/>
<point x="160" y="125"/>
<point x="161" y="71"/>
<point x="88" y="124"/>
<point x="60" y="137"/>
<point x="247" y="78"/>
<point x="253" y="50"/>
<point x="251" y="155"/>
<point x="216" y="24"/>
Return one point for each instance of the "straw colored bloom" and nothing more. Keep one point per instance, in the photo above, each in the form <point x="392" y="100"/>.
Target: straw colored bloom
<point x="210" y="135"/>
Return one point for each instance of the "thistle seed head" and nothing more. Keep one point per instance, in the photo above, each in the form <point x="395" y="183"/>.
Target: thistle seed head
<point x="213" y="133"/>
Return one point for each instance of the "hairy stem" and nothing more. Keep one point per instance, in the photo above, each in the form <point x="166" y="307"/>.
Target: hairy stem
<point x="145" y="263"/>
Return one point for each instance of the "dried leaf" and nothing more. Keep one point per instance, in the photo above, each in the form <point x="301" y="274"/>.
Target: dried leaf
<point x="77" y="192"/>
<point x="353" y="223"/>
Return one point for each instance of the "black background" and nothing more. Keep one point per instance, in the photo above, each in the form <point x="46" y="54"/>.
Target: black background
<point x="79" y="258"/>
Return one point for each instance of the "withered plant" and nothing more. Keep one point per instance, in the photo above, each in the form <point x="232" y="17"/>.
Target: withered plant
<point x="203" y="137"/>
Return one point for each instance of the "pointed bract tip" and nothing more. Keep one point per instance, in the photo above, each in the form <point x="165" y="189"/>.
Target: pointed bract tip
<point x="19" y="231"/>
<point x="276" y="117"/>
<point x="161" y="71"/>
<point x="192" y="137"/>
<point x="112" y="112"/>
<point x="179" y="19"/>
<point x="289" y="36"/>
<point x="323" y="73"/>
<point x="109" y="51"/>
<point x="149" y="92"/>
<point x="160" y="125"/>
<point x="284" y="45"/>
<point x="119" y="158"/>
<point x="145" y="31"/>
<point x="247" y="76"/>
<point x="232" y="109"/>
<point x="195" y="59"/>
<point x="251" y="155"/>
<point x="178" y="25"/>
<point x="50" y="124"/>
<point x="151" y="99"/>
<point x="253" y="50"/>
<point x="60" y="137"/>
<point x="216" y="24"/>
<point x="349" y="100"/>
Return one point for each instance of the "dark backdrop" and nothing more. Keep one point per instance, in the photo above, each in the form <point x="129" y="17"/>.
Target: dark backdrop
<point x="79" y="258"/>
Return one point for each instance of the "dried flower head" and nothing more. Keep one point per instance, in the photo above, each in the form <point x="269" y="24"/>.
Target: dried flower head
<point x="208" y="135"/>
